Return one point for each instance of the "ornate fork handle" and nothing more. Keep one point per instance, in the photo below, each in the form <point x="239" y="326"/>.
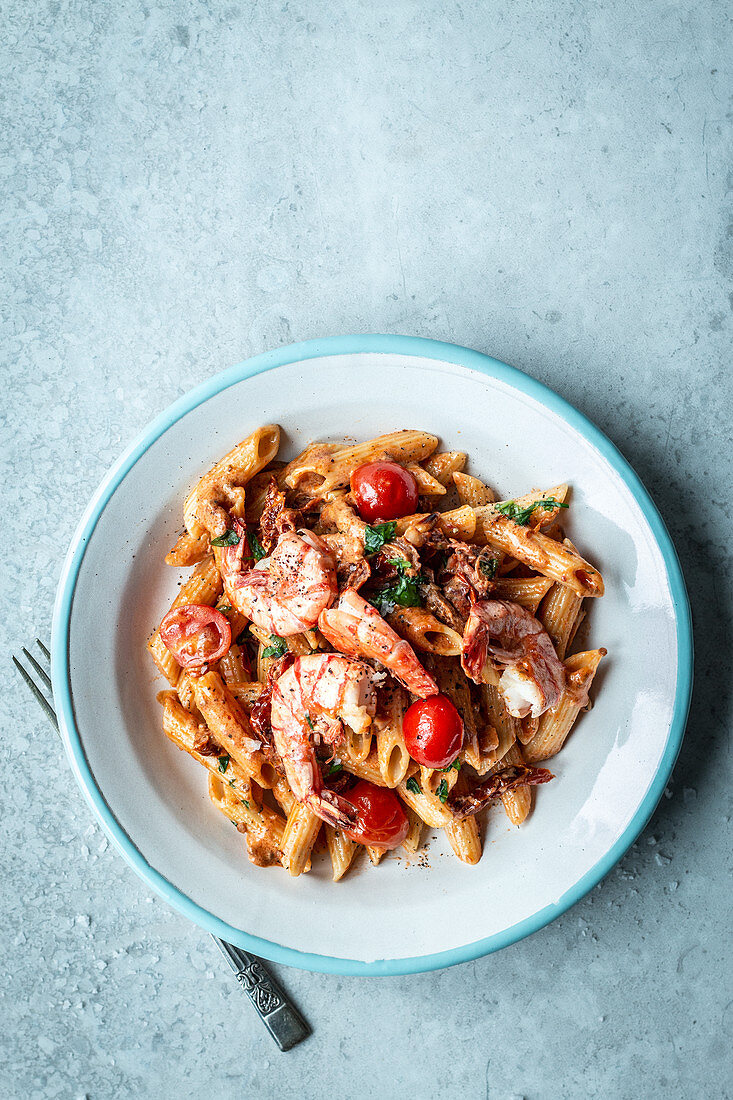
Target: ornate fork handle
<point x="277" y="1013"/>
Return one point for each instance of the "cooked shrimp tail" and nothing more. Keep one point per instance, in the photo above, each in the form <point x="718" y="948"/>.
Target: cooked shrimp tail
<point x="357" y="628"/>
<point x="504" y="636"/>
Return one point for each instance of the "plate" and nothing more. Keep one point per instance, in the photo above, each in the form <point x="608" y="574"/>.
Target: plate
<point x="399" y="917"/>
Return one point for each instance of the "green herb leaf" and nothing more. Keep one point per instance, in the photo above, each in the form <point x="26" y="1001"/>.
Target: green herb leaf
<point x="403" y="592"/>
<point x="442" y="791"/>
<point x="277" y="647"/>
<point x="512" y="511"/>
<point x="335" y="766"/>
<point x="375" y="537"/>
<point x="413" y="785"/>
<point x="455" y="766"/>
<point x="229" y="538"/>
<point x="309" y="720"/>
<point x="488" y="566"/>
<point x="224" y="608"/>
<point x="244" y="802"/>
<point x="224" y="763"/>
<point x="550" y="502"/>
<point x="255" y="547"/>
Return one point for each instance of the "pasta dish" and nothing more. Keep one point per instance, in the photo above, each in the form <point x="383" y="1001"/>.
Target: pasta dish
<point x="370" y="643"/>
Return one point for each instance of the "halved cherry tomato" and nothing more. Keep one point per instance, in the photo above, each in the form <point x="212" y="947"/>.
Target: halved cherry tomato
<point x="382" y="822"/>
<point x="433" y="731"/>
<point x="195" y="634"/>
<point x="383" y="490"/>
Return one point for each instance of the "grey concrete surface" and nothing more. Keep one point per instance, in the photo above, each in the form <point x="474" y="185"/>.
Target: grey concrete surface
<point x="185" y="184"/>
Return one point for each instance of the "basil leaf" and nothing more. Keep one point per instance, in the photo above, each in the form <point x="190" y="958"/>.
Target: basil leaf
<point x="277" y="647"/>
<point x="413" y="785"/>
<point x="224" y="763"/>
<point x="375" y="537"/>
<point x="512" y="511"/>
<point x="255" y="547"/>
<point x="455" y="766"/>
<point x="336" y="766"/>
<point x="442" y="791"/>
<point x="229" y="538"/>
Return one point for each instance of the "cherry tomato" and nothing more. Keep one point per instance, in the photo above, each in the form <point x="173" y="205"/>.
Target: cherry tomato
<point x="433" y="731"/>
<point x="382" y="822"/>
<point x="383" y="490"/>
<point x="196" y="634"/>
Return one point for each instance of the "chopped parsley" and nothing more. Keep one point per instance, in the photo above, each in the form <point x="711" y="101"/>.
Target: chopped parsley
<point x="335" y="766"/>
<point x="276" y="648"/>
<point x="255" y="546"/>
<point x="442" y="791"/>
<point x="455" y="766"/>
<point x="229" y="538"/>
<point x="488" y="566"/>
<point x="413" y="785"/>
<point x="309" y="720"/>
<point x="375" y="537"/>
<point x="224" y="763"/>
<point x="224" y="608"/>
<point x="244" y="802"/>
<point x="512" y="510"/>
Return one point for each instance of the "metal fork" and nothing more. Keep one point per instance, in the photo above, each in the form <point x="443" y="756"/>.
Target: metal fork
<point x="274" y="1007"/>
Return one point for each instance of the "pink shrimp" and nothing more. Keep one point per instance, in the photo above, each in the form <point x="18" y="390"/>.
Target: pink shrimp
<point x="285" y="592"/>
<point x="356" y="628"/>
<point x="315" y="698"/>
<point x="502" y="634"/>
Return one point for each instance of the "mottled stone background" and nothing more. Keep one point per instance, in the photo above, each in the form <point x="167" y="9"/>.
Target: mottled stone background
<point x="185" y="184"/>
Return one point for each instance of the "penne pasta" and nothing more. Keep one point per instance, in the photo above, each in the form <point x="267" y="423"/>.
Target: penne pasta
<point x="427" y="485"/>
<point x="229" y="725"/>
<point x="560" y="613"/>
<point x="319" y="471"/>
<point x="222" y="490"/>
<point x="185" y="731"/>
<point x="555" y="725"/>
<point x="426" y="805"/>
<point x="424" y="632"/>
<point x="392" y="754"/>
<point x="300" y="834"/>
<point x="412" y="841"/>
<point x="188" y="550"/>
<point x="517" y="803"/>
<point x="444" y="464"/>
<point x="264" y="827"/>
<point x="465" y="839"/>
<point x="472" y="491"/>
<point x="342" y="850"/>
<point x="527" y="591"/>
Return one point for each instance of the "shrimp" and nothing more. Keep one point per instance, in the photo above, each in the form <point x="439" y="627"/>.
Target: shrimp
<point x="285" y="593"/>
<point x="502" y="634"/>
<point x="317" y="696"/>
<point x="356" y="628"/>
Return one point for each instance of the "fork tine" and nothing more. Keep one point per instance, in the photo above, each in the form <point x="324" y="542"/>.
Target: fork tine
<point x="43" y="649"/>
<point x="50" y="712"/>
<point x="41" y="671"/>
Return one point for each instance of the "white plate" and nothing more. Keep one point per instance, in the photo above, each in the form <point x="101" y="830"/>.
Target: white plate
<point x="396" y="918"/>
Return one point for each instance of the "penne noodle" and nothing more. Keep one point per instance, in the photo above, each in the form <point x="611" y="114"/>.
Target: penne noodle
<point x="188" y="550"/>
<point x="427" y="485"/>
<point x="430" y="779"/>
<point x="560" y="614"/>
<point x="536" y="550"/>
<point x="505" y="726"/>
<point x="517" y="803"/>
<point x="359" y="744"/>
<point x="323" y="470"/>
<point x="229" y="725"/>
<point x="264" y="827"/>
<point x="221" y="490"/>
<point x="465" y="839"/>
<point x="257" y="490"/>
<point x="472" y="491"/>
<point x="247" y="692"/>
<point x="185" y="731"/>
<point x="528" y="592"/>
<point x="444" y="464"/>
<point x="203" y="586"/>
<point x="231" y="667"/>
<point x="411" y="843"/>
<point x="301" y="831"/>
<point x="392" y="754"/>
<point x="376" y="855"/>
<point x="427" y="806"/>
<point x="458" y="523"/>
<point x="363" y="769"/>
<point x="555" y="725"/>
<point x="341" y="849"/>
<point x="424" y="632"/>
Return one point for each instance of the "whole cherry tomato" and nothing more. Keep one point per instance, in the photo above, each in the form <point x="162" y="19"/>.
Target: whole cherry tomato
<point x="382" y="822"/>
<point x="433" y="731"/>
<point x="383" y="490"/>
<point x="196" y="634"/>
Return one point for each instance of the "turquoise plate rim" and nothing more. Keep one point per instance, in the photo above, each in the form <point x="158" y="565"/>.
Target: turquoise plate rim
<point x="350" y="345"/>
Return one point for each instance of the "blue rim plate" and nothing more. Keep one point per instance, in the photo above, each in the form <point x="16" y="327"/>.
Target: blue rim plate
<point x="340" y="345"/>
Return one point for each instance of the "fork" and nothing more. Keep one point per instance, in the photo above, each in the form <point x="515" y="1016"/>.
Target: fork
<point x="277" y="1012"/>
